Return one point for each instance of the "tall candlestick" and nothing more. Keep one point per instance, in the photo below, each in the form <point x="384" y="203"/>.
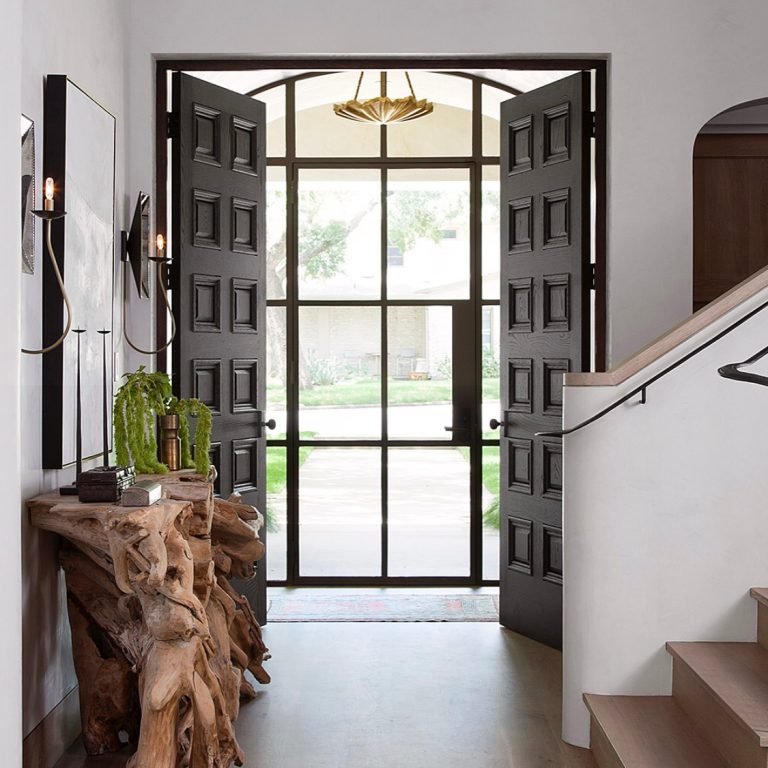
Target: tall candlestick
<point x="104" y="411"/>
<point x="79" y="416"/>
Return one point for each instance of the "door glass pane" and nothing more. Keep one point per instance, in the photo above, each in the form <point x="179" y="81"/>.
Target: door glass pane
<point x="322" y="133"/>
<point x="340" y="528"/>
<point x="420" y="363"/>
<point x="491" y="370"/>
<point x="276" y="232"/>
<point x="428" y="233"/>
<point x="491" y="232"/>
<point x="445" y="132"/>
<point x="274" y="98"/>
<point x="490" y="505"/>
<point x="339" y="234"/>
<point x="276" y="514"/>
<point x="340" y="372"/>
<point x="428" y="511"/>
<point x="491" y="107"/>
<point x="276" y="379"/>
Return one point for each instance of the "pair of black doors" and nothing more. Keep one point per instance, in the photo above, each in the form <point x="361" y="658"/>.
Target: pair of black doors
<point x="220" y="302"/>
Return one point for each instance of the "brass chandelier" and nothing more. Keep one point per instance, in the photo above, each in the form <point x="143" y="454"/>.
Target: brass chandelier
<point x="381" y="109"/>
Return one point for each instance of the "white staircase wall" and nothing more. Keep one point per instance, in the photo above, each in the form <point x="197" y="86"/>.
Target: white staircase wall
<point x="665" y="518"/>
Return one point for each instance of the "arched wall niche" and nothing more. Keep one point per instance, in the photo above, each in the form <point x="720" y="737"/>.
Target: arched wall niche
<point x="730" y="200"/>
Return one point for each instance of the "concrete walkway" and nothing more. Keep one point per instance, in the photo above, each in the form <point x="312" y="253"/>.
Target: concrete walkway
<point x="340" y="493"/>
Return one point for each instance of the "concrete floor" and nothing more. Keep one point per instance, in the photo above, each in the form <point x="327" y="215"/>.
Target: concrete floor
<point x="405" y="695"/>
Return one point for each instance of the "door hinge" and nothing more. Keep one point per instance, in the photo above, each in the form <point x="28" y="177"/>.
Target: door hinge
<point x="172" y="125"/>
<point x="593" y="124"/>
<point x="593" y="276"/>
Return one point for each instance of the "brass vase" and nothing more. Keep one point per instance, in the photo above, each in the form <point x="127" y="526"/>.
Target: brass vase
<point x="170" y="443"/>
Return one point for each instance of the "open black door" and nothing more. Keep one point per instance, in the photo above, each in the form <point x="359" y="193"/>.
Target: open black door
<point x="218" y="279"/>
<point x="545" y="261"/>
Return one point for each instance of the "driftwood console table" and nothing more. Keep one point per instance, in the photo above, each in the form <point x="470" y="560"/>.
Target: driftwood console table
<point x="160" y="639"/>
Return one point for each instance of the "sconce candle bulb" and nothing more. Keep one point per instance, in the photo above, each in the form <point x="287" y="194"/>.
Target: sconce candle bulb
<point x="160" y="245"/>
<point x="49" y="194"/>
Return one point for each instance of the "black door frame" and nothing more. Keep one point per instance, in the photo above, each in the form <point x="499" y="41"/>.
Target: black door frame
<point x="450" y="63"/>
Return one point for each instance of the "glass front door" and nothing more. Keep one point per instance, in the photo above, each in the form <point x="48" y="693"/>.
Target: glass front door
<point x="383" y="325"/>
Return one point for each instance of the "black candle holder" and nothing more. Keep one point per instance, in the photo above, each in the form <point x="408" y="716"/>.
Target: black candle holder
<point x="71" y="490"/>
<point x="104" y="412"/>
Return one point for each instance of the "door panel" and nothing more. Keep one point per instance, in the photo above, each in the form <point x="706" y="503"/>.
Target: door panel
<point x="545" y="254"/>
<point x="218" y="281"/>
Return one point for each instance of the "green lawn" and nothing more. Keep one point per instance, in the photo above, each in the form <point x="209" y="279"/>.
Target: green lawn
<point x="491" y="481"/>
<point x="277" y="471"/>
<point x="368" y="392"/>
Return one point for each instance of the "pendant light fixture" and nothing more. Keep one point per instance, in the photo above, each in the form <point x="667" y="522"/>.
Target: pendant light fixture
<point x="381" y="109"/>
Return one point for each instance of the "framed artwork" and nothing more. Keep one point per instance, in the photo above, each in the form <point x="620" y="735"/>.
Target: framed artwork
<point x="27" y="195"/>
<point x="79" y="155"/>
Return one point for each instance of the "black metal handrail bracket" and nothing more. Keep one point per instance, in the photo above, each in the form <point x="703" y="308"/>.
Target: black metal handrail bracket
<point x="732" y="370"/>
<point x="729" y="371"/>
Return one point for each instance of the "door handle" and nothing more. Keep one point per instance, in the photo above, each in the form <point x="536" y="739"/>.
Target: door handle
<point x="269" y="424"/>
<point x="495" y="424"/>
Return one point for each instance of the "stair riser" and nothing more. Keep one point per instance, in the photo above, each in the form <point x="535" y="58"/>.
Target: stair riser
<point x="762" y="625"/>
<point x="714" y="722"/>
<point x="602" y="750"/>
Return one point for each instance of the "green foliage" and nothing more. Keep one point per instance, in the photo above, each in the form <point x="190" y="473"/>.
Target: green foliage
<point x="139" y="401"/>
<point x="445" y="367"/>
<point x="322" y="248"/>
<point x="321" y="371"/>
<point x="491" y="515"/>
<point x="491" y="368"/>
<point x="185" y="408"/>
<point x="414" y="214"/>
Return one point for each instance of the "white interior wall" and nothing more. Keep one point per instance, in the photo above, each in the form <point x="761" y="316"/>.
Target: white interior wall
<point x="664" y="512"/>
<point x="84" y="40"/>
<point x="10" y="236"/>
<point x="672" y="67"/>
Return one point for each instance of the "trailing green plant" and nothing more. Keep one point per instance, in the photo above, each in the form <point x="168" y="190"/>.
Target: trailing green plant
<point x="137" y="403"/>
<point x="140" y="400"/>
<point x="185" y="408"/>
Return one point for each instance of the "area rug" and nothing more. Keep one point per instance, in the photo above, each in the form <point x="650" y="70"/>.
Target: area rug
<point x="287" y="608"/>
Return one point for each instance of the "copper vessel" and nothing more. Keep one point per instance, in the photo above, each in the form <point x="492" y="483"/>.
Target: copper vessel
<point x="170" y="443"/>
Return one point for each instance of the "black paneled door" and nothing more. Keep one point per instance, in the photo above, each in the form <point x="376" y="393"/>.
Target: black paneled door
<point x="545" y="260"/>
<point x="218" y="281"/>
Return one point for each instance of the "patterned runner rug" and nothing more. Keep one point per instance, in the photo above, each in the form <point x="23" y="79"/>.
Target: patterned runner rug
<point x="287" y="608"/>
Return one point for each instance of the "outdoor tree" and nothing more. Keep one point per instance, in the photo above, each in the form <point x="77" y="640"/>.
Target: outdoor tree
<point x="324" y="240"/>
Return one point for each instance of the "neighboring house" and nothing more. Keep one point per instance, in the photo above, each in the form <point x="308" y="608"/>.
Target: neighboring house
<point x="664" y="502"/>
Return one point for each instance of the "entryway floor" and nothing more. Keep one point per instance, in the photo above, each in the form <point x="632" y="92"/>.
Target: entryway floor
<point x="443" y="695"/>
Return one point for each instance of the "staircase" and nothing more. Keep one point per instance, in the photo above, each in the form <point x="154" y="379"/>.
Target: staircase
<point x="716" y="717"/>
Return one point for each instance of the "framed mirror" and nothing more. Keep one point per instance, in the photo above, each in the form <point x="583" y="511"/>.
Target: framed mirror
<point x="27" y="195"/>
<point x="79" y="155"/>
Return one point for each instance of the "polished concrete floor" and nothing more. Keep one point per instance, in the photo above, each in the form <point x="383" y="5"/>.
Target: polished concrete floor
<point x="453" y="695"/>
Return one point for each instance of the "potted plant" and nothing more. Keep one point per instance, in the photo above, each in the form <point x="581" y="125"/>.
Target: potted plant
<point x="141" y="399"/>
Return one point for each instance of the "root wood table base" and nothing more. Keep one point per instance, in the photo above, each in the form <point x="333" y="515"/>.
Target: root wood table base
<point x="160" y="639"/>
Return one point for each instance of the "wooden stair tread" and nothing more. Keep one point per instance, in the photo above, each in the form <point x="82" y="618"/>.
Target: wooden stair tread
<point x="651" y="732"/>
<point x="760" y="594"/>
<point x="737" y="675"/>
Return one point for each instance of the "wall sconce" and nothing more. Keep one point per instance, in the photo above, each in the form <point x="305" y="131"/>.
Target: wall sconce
<point x="135" y="248"/>
<point x="48" y="215"/>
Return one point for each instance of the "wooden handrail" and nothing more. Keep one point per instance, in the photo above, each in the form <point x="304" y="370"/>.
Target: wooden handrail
<point x="681" y="333"/>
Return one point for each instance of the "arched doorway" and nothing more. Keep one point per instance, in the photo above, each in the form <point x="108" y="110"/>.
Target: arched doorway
<point x="730" y="200"/>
